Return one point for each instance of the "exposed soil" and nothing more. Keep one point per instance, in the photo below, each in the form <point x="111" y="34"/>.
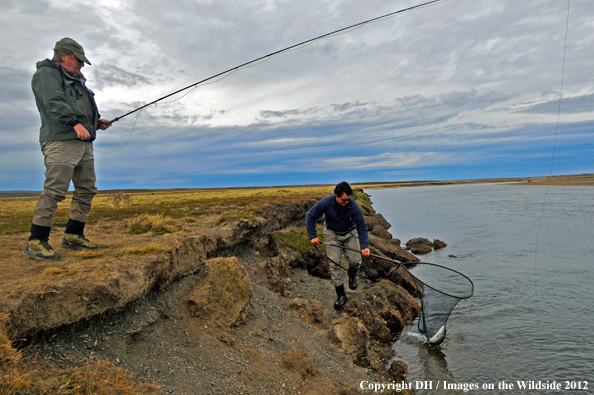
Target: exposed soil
<point x="244" y="307"/>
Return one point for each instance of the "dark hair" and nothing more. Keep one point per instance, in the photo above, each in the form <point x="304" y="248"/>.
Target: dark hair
<point x="343" y="187"/>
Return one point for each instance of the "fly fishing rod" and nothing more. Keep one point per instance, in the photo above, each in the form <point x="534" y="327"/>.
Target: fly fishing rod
<point x="278" y="52"/>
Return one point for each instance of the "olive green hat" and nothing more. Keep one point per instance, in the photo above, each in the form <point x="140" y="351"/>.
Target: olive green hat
<point x="74" y="47"/>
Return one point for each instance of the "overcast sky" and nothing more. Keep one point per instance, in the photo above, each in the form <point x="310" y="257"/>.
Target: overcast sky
<point x="461" y="89"/>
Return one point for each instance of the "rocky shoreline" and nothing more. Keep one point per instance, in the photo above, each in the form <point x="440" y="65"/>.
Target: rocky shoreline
<point x="244" y="307"/>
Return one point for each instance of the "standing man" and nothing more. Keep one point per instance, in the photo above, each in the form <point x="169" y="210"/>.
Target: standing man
<point x="344" y="226"/>
<point x="69" y="121"/>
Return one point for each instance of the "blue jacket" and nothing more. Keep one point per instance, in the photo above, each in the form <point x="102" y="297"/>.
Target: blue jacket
<point x="338" y="218"/>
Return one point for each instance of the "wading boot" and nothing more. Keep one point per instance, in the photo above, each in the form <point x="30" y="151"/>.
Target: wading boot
<point x="40" y="249"/>
<point x="341" y="297"/>
<point x="353" y="279"/>
<point x="77" y="242"/>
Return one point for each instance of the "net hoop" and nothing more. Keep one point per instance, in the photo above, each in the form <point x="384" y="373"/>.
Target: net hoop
<point x="442" y="267"/>
<point x="404" y="264"/>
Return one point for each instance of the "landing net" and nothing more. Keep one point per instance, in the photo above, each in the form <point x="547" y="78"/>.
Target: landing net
<point x="440" y="290"/>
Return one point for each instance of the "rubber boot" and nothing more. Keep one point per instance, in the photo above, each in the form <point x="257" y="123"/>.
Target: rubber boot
<point x="341" y="297"/>
<point x="353" y="279"/>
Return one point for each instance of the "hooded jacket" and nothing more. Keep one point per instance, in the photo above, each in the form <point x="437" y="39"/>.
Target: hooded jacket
<point x="63" y="101"/>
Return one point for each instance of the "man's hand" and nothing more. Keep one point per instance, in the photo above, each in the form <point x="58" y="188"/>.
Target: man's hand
<point x="82" y="132"/>
<point x="104" y="124"/>
<point x="315" y="241"/>
<point x="364" y="251"/>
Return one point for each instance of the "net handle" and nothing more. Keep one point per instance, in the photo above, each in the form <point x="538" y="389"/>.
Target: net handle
<point x="403" y="264"/>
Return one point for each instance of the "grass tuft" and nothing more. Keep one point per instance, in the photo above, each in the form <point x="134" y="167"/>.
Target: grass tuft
<point x="228" y="285"/>
<point x="145" y="223"/>
<point x="119" y="200"/>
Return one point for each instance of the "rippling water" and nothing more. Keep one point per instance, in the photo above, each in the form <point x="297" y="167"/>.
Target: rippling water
<point x="532" y="314"/>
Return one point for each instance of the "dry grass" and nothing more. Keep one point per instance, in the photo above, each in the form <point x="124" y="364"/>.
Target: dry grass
<point x="151" y="249"/>
<point x="183" y="212"/>
<point x="582" y="180"/>
<point x="179" y="212"/>
<point x="157" y="223"/>
<point x="119" y="199"/>
<point x="30" y="377"/>
<point x="228" y="285"/>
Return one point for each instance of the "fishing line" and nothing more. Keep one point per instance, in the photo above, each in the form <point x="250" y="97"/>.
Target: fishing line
<point x="265" y="58"/>
<point x="551" y="169"/>
<point x="128" y="139"/>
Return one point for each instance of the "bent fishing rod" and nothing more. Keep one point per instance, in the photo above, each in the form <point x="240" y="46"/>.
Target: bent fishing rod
<point x="278" y="52"/>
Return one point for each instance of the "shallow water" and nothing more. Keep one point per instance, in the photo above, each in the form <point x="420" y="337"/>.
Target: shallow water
<point x="532" y="314"/>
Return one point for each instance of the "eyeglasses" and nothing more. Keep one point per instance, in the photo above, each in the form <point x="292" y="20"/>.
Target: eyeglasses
<point x="343" y="200"/>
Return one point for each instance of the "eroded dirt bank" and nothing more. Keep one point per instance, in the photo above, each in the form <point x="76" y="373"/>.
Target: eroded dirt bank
<point x="244" y="307"/>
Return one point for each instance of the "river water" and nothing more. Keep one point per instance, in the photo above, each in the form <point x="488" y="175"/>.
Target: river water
<point x="531" y="259"/>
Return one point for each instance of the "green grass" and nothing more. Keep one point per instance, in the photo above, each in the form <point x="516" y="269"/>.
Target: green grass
<point x="297" y="240"/>
<point x="294" y="239"/>
<point x="364" y="202"/>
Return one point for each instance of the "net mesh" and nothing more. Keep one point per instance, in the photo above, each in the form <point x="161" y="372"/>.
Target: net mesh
<point x="440" y="290"/>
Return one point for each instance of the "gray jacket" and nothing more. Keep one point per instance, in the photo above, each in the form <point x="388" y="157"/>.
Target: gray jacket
<point x="63" y="101"/>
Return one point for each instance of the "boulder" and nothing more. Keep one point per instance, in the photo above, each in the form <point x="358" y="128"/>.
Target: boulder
<point x="391" y="249"/>
<point x="377" y="219"/>
<point x="383" y="309"/>
<point x="419" y="245"/>
<point x="350" y="335"/>
<point x="381" y="232"/>
<point x="438" y="244"/>
<point x="398" y="275"/>
<point x="398" y="371"/>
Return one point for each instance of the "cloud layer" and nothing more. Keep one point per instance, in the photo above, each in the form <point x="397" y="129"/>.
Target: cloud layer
<point x="460" y="89"/>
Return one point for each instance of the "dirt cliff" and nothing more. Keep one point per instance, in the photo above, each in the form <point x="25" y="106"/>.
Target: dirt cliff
<point x="242" y="306"/>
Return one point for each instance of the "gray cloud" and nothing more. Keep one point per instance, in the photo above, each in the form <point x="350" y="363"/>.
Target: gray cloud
<point x="15" y="85"/>
<point x="267" y="114"/>
<point x="110" y="75"/>
<point x="458" y="75"/>
<point x="569" y="105"/>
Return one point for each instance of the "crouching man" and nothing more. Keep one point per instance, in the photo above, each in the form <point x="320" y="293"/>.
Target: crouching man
<point x="345" y="227"/>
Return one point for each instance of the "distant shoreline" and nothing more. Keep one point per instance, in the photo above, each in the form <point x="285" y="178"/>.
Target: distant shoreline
<point x="562" y="180"/>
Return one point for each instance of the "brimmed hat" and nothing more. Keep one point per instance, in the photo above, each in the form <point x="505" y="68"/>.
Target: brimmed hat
<point x="71" y="45"/>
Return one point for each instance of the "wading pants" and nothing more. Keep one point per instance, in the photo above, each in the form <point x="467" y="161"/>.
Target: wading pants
<point x="350" y="240"/>
<point x="65" y="161"/>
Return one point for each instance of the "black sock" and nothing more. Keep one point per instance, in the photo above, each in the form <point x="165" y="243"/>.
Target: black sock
<point x="340" y="290"/>
<point x="74" y="227"/>
<point x="40" y="232"/>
